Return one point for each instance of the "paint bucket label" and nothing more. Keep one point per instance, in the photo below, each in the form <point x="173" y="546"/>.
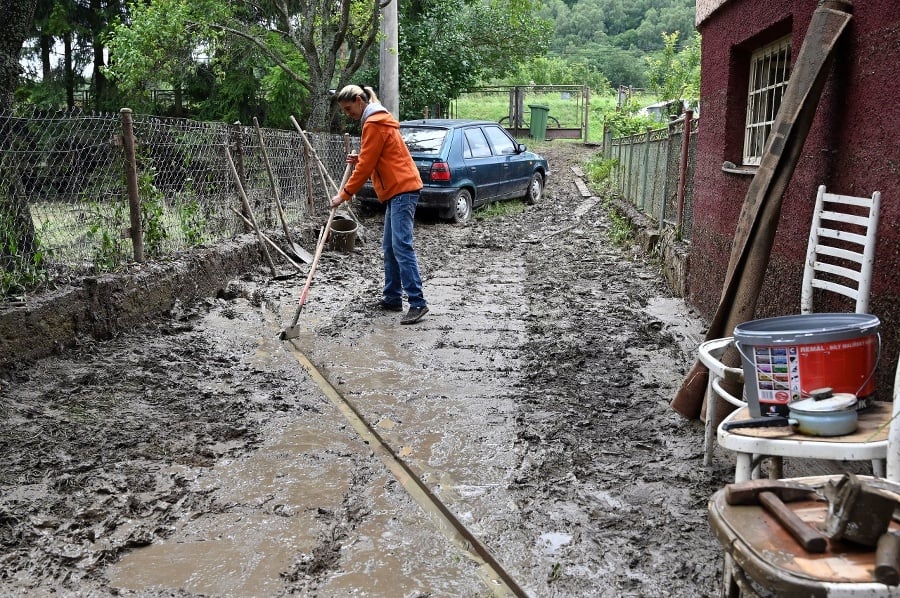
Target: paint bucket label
<point x="786" y="358"/>
<point x="787" y="374"/>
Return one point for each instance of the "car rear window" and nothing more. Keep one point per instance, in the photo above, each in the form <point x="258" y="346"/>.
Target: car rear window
<point x="423" y="140"/>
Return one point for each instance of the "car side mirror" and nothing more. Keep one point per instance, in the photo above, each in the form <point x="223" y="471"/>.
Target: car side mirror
<point x="521" y="148"/>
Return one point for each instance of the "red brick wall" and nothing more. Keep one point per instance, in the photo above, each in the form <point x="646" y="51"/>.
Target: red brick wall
<point x="853" y="148"/>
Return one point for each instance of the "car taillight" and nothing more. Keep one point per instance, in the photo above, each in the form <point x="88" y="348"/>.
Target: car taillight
<point x="440" y="171"/>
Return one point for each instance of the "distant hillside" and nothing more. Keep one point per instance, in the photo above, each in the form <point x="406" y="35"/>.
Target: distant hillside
<point x="614" y="36"/>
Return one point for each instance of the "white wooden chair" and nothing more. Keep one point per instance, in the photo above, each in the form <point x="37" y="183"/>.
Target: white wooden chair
<point x="841" y="251"/>
<point x="760" y="555"/>
<point x="839" y="260"/>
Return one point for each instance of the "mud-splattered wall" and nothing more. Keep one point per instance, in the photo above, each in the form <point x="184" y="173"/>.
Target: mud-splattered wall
<point x="852" y="148"/>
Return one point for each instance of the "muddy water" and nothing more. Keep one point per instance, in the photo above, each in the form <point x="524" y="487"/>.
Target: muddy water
<point x="436" y="392"/>
<point x="201" y="459"/>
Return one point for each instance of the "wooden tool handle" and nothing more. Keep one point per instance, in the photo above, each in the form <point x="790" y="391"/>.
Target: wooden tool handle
<point x="810" y="539"/>
<point x="748" y="491"/>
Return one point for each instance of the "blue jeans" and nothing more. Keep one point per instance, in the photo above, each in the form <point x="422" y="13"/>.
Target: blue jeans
<point x="401" y="270"/>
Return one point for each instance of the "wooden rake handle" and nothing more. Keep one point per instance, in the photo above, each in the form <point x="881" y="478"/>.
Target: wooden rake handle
<point x="319" y="247"/>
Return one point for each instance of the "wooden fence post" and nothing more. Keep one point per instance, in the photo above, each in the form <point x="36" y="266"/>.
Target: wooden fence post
<point x="131" y="183"/>
<point x="239" y="165"/>
<point x="310" y="200"/>
<point x="682" y="175"/>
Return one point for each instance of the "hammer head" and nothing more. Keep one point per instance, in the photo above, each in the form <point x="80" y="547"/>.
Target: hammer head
<point x="747" y="493"/>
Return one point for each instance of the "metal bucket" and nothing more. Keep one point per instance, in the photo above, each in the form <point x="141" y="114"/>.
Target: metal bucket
<point x="787" y="357"/>
<point x="343" y="234"/>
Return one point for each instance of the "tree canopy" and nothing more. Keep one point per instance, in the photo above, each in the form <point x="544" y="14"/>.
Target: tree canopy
<point x="449" y="45"/>
<point x="235" y="59"/>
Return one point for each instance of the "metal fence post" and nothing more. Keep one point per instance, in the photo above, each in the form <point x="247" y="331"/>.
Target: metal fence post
<point x="666" y="186"/>
<point x="131" y="183"/>
<point x="682" y="179"/>
<point x="587" y="112"/>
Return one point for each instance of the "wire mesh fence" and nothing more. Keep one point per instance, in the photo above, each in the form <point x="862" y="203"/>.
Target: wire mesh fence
<point x="66" y="209"/>
<point x="654" y="170"/>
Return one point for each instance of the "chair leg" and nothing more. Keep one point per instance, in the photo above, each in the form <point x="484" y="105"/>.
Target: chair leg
<point x="776" y="468"/>
<point x="743" y="468"/>
<point x="709" y="428"/>
<point x="878" y="468"/>
<point x="730" y="588"/>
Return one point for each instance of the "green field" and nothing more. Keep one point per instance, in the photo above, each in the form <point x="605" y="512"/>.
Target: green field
<point x="495" y="106"/>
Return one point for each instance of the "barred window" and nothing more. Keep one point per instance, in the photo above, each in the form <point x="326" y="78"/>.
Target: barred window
<point x="770" y="70"/>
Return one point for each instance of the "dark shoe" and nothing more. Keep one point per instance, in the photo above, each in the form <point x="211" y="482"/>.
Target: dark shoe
<point x="414" y="315"/>
<point x="389" y="306"/>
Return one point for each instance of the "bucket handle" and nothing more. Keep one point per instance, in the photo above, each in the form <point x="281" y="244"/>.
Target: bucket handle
<point x="874" y="366"/>
<point x="737" y="344"/>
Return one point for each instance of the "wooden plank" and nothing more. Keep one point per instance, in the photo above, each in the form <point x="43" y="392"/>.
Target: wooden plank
<point x="761" y="211"/>
<point x="582" y="188"/>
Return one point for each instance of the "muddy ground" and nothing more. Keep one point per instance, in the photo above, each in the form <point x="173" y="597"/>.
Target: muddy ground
<point x="196" y="457"/>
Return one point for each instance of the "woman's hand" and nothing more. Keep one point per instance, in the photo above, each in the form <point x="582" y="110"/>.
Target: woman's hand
<point x="336" y="201"/>
<point x="352" y="158"/>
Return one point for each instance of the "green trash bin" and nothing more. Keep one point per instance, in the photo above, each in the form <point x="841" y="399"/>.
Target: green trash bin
<point x="539" y="114"/>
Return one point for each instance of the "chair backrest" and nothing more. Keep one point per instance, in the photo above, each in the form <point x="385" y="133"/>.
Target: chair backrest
<point x="892" y="468"/>
<point x="841" y="250"/>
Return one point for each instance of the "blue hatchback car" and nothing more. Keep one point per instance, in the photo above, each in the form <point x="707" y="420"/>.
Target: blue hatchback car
<point x="465" y="164"/>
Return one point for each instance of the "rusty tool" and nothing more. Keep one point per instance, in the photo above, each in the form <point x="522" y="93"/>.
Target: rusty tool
<point x="772" y="494"/>
<point x="293" y="331"/>
<point x="857" y="512"/>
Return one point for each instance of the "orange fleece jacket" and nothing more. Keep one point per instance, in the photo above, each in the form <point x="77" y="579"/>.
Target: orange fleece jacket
<point x="384" y="157"/>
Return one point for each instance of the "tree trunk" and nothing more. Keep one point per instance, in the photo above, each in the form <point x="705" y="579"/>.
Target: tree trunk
<point x="46" y="42"/>
<point x="319" y="112"/>
<point x="69" y="71"/>
<point x="17" y="236"/>
<point x="18" y="241"/>
<point x="96" y="20"/>
<point x="17" y="19"/>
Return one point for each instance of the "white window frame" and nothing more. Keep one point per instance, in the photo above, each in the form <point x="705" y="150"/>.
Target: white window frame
<point x="770" y="71"/>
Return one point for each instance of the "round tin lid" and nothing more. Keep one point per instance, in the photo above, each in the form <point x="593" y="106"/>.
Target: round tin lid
<point x="836" y="402"/>
<point x="804" y="329"/>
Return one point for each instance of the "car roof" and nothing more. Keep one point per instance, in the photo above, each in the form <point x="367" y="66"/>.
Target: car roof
<point x="447" y="123"/>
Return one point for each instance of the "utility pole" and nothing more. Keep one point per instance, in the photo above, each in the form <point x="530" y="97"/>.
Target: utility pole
<point x="389" y="85"/>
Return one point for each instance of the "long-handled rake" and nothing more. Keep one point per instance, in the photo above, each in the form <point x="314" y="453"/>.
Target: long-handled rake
<point x="293" y="331"/>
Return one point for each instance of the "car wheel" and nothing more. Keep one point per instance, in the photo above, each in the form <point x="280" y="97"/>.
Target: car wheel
<point x="535" y="189"/>
<point x="462" y="206"/>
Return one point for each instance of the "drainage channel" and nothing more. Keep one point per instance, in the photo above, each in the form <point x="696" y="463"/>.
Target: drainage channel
<point x="497" y="579"/>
